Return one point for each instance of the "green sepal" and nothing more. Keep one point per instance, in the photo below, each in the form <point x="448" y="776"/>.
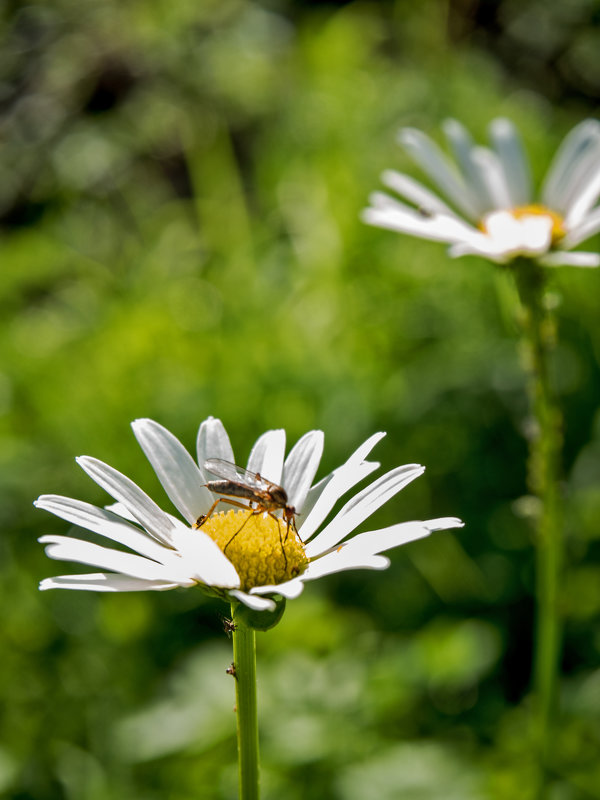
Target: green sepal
<point x="260" y="620"/>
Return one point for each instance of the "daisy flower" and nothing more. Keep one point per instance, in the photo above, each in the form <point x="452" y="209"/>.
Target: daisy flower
<point x="241" y="553"/>
<point x="493" y="211"/>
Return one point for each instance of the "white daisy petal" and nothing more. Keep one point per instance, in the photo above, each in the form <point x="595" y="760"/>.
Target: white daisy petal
<point x="175" y="468"/>
<point x="426" y="201"/>
<point x="586" y="196"/>
<point x="463" y="147"/>
<point x="583" y="171"/>
<point x="375" y="542"/>
<point x="104" y="523"/>
<point x="301" y="466"/>
<point x="492" y="177"/>
<point x="289" y="589"/>
<point x="536" y="233"/>
<point x="588" y="226"/>
<point x="584" y="138"/>
<point x="508" y="146"/>
<point x="65" y="548"/>
<point x="267" y="455"/>
<point x="443" y="523"/>
<point x="437" y="228"/>
<point x="313" y="495"/>
<point x="434" y="164"/>
<point x="204" y="559"/>
<point x="503" y="231"/>
<point x="338" y="483"/>
<point x="145" y="510"/>
<point x="252" y="601"/>
<point x="562" y="259"/>
<point x="213" y="442"/>
<point x="104" y="582"/>
<point x="384" y="202"/>
<point x="483" y="249"/>
<point x="394" y="219"/>
<point x="121" y="511"/>
<point x="507" y="237"/>
<point x="362" y="506"/>
<point x="340" y="561"/>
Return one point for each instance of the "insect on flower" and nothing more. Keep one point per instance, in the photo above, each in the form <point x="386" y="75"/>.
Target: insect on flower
<point x="263" y="495"/>
<point x="231" y="670"/>
<point x="229" y="626"/>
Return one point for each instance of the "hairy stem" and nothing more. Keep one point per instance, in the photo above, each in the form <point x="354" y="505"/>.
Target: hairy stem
<point x="545" y="442"/>
<point x="244" y="667"/>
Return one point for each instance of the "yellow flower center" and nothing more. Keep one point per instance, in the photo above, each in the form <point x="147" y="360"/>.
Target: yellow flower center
<point x="260" y="547"/>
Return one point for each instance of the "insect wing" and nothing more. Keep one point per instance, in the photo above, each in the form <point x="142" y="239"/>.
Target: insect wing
<point x="229" y="471"/>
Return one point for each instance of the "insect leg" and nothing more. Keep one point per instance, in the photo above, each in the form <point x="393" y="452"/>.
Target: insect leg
<point x="290" y="519"/>
<point x="201" y="520"/>
<point x="251" y="514"/>
<point x="280" y="539"/>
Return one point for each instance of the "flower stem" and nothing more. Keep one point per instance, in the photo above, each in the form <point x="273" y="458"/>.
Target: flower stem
<point x="545" y="444"/>
<point x="244" y="660"/>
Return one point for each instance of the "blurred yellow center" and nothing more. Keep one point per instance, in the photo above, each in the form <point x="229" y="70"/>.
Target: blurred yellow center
<point x="257" y="547"/>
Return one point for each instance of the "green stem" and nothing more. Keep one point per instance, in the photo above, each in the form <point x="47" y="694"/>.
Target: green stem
<point x="543" y="468"/>
<point x="244" y="659"/>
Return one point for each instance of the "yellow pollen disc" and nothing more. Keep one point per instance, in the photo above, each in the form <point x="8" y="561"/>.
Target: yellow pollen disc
<point x="257" y="550"/>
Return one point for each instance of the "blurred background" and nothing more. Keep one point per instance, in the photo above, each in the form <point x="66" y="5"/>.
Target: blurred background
<point x="180" y="189"/>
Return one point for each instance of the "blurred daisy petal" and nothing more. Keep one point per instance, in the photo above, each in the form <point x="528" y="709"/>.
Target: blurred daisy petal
<point x="492" y="177"/>
<point x="578" y="259"/>
<point x="507" y="144"/>
<point x="575" y="149"/>
<point x="461" y="143"/>
<point x="422" y="198"/>
<point x="439" y="169"/>
<point x="579" y="233"/>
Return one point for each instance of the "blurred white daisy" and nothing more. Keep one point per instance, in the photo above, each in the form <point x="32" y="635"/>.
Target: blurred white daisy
<point x="494" y="212"/>
<point x="263" y="558"/>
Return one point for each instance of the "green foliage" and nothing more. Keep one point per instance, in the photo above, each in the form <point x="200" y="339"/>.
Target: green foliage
<point x="181" y="186"/>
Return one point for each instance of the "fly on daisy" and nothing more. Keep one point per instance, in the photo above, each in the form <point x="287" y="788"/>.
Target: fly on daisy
<point x="163" y="551"/>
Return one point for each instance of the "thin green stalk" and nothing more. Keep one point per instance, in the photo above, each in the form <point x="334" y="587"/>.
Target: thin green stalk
<point x="244" y="660"/>
<point x="545" y="444"/>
